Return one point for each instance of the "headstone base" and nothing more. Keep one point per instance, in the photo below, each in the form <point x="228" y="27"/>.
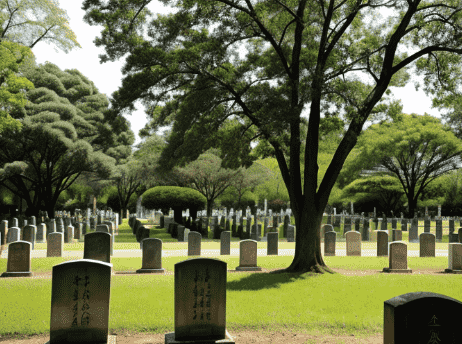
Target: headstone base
<point x="170" y="339"/>
<point x="330" y="254"/>
<point x="17" y="274"/>
<point x="402" y="271"/>
<point x="450" y="271"/>
<point x="110" y="340"/>
<point x="248" y="268"/>
<point x="150" y="271"/>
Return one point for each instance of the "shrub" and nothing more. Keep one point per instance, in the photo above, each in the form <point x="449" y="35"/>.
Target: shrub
<point x="175" y="197"/>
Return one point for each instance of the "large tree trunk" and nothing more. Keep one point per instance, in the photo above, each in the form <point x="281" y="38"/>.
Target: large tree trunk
<point x="308" y="257"/>
<point x="209" y="208"/>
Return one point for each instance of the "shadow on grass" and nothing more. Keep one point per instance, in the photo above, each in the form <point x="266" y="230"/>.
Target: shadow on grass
<point x="258" y="281"/>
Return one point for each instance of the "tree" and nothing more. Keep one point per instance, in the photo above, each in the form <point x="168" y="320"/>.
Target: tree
<point x="12" y="55"/>
<point x="65" y="132"/>
<point x="415" y="149"/>
<point x="208" y="177"/>
<point x="383" y="190"/>
<point x="305" y="53"/>
<point x="175" y="197"/>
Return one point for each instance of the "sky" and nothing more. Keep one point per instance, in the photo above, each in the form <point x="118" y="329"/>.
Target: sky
<point x="108" y="76"/>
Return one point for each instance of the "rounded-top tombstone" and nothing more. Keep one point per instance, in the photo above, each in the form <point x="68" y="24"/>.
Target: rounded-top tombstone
<point x="152" y="256"/>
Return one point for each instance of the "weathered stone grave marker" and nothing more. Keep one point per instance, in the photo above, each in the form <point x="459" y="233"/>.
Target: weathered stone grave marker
<point x="397" y="260"/>
<point x="353" y="243"/>
<point x="248" y="256"/>
<point x="427" y="245"/>
<point x="152" y="256"/>
<point x="194" y="244"/>
<point x="18" y="263"/>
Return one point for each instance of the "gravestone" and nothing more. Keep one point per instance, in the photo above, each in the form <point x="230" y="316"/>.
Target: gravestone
<point x="394" y="223"/>
<point x="265" y="226"/>
<point x="186" y="235"/>
<point x="14" y="234"/>
<point x="103" y="228"/>
<point x="161" y="221"/>
<point x="373" y="236"/>
<point x="384" y="223"/>
<point x="80" y="295"/>
<point x="55" y="242"/>
<point x="357" y="224"/>
<point x="69" y="235"/>
<point x="421" y="317"/>
<point x="33" y="221"/>
<point x="248" y="256"/>
<point x="346" y="225"/>
<point x="181" y="233"/>
<point x="290" y="233"/>
<point x="286" y="225"/>
<point x="382" y="243"/>
<point x="427" y="245"/>
<point x="454" y="258"/>
<point x="29" y="234"/>
<point x="200" y="302"/>
<point x="78" y="231"/>
<point x="427" y="226"/>
<point x="97" y="246"/>
<point x="365" y="232"/>
<point x="397" y="260"/>
<point x="459" y="234"/>
<point x="41" y="232"/>
<point x="452" y="236"/>
<point x="60" y="225"/>
<point x="152" y="256"/>
<point x="397" y="235"/>
<point x="414" y="230"/>
<point x="3" y="234"/>
<point x="111" y="226"/>
<point x="324" y="229"/>
<point x="18" y="263"/>
<point x="273" y="243"/>
<point x="225" y="243"/>
<point x="353" y="243"/>
<point x="194" y="244"/>
<point x="404" y="225"/>
<point x="329" y="243"/>
<point x="439" y="230"/>
<point x="15" y="222"/>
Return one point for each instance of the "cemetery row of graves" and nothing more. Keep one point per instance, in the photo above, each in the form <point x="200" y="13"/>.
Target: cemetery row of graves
<point x="81" y="288"/>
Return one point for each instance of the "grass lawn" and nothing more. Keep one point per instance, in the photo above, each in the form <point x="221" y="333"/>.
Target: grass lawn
<point x="330" y="304"/>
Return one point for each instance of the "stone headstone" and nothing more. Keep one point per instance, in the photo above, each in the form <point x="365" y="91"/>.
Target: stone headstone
<point x="286" y="225"/>
<point x="248" y="256"/>
<point x="200" y="302"/>
<point x="78" y="231"/>
<point x="414" y="230"/>
<point x="427" y="245"/>
<point x="290" y="233"/>
<point x="181" y="233"/>
<point x="398" y="258"/>
<point x="4" y="233"/>
<point x="394" y="223"/>
<point x="225" y="243"/>
<point x="357" y="224"/>
<point x="329" y="243"/>
<point x="55" y="243"/>
<point x="41" y="232"/>
<point x="365" y="232"/>
<point x="454" y="258"/>
<point x="346" y="225"/>
<point x="18" y="263"/>
<point x="15" y="222"/>
<point x="80" y="295"/>
<point x="60" y="225"/>
<point x="97" y="246"/>
<point x="427" y="225"/>
<point x="194" y="244"/>
<point x="14" y="234"/>
<point x="186" y="234"/>
<point x="29" y="234"/>
<point x="382" y="243"/>
<point x="103" y="228"/>
<point x="33" y="221"/>
<point x="273" y="243"/>
<point x="421" y="317"/>
<point x="324" y="229"/>
<point x="152" y="256"/>
<point x="69" y="234"/>
<point x="404" y="225"/>
<point x="439" y="230"/>
<point x="396" y="235"/>
<point x="353" y="243"/>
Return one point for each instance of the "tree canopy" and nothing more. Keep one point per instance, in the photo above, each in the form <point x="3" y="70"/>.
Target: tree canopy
<point x="305" y="54"/>
<point x="64" y="133"/>
<point x="415" y="149"/>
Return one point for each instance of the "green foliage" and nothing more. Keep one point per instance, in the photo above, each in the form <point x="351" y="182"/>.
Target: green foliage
<point x="161" y="197"/>
<point x="415" y="149"/>
<point x="229" y="200"/>
<point x="274" y="188"/>
<point x="12" y="55"/>
<point x="64" y="134"/>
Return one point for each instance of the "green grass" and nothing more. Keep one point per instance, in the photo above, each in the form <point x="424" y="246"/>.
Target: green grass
<point x="330" y="304"/>
<point x="327" y="304"/>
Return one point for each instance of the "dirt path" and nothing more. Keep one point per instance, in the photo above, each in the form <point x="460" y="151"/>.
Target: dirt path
<point x="240" y="337"/>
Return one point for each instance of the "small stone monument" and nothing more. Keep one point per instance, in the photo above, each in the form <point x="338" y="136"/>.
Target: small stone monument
<point x="152" y="256"/>
<point x="353" y="243"/>
<point x="97" y="246"/>
<point x="427" y="245"/>
<point x="200" y="303"/>
<point x="80" y="294"/>
<point x="273" y="242"/>
<point x="398" y="258"/>
<point x="421" y="317"/>
<point x="329" y="243"/>
<point x="194" y="244"/>
<point x="225" y="243"/>
<point x="454" y="258"/>
<point x="18" y="263"/>
<point x="248" y="256"/>
<point x="55" y="243"/>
